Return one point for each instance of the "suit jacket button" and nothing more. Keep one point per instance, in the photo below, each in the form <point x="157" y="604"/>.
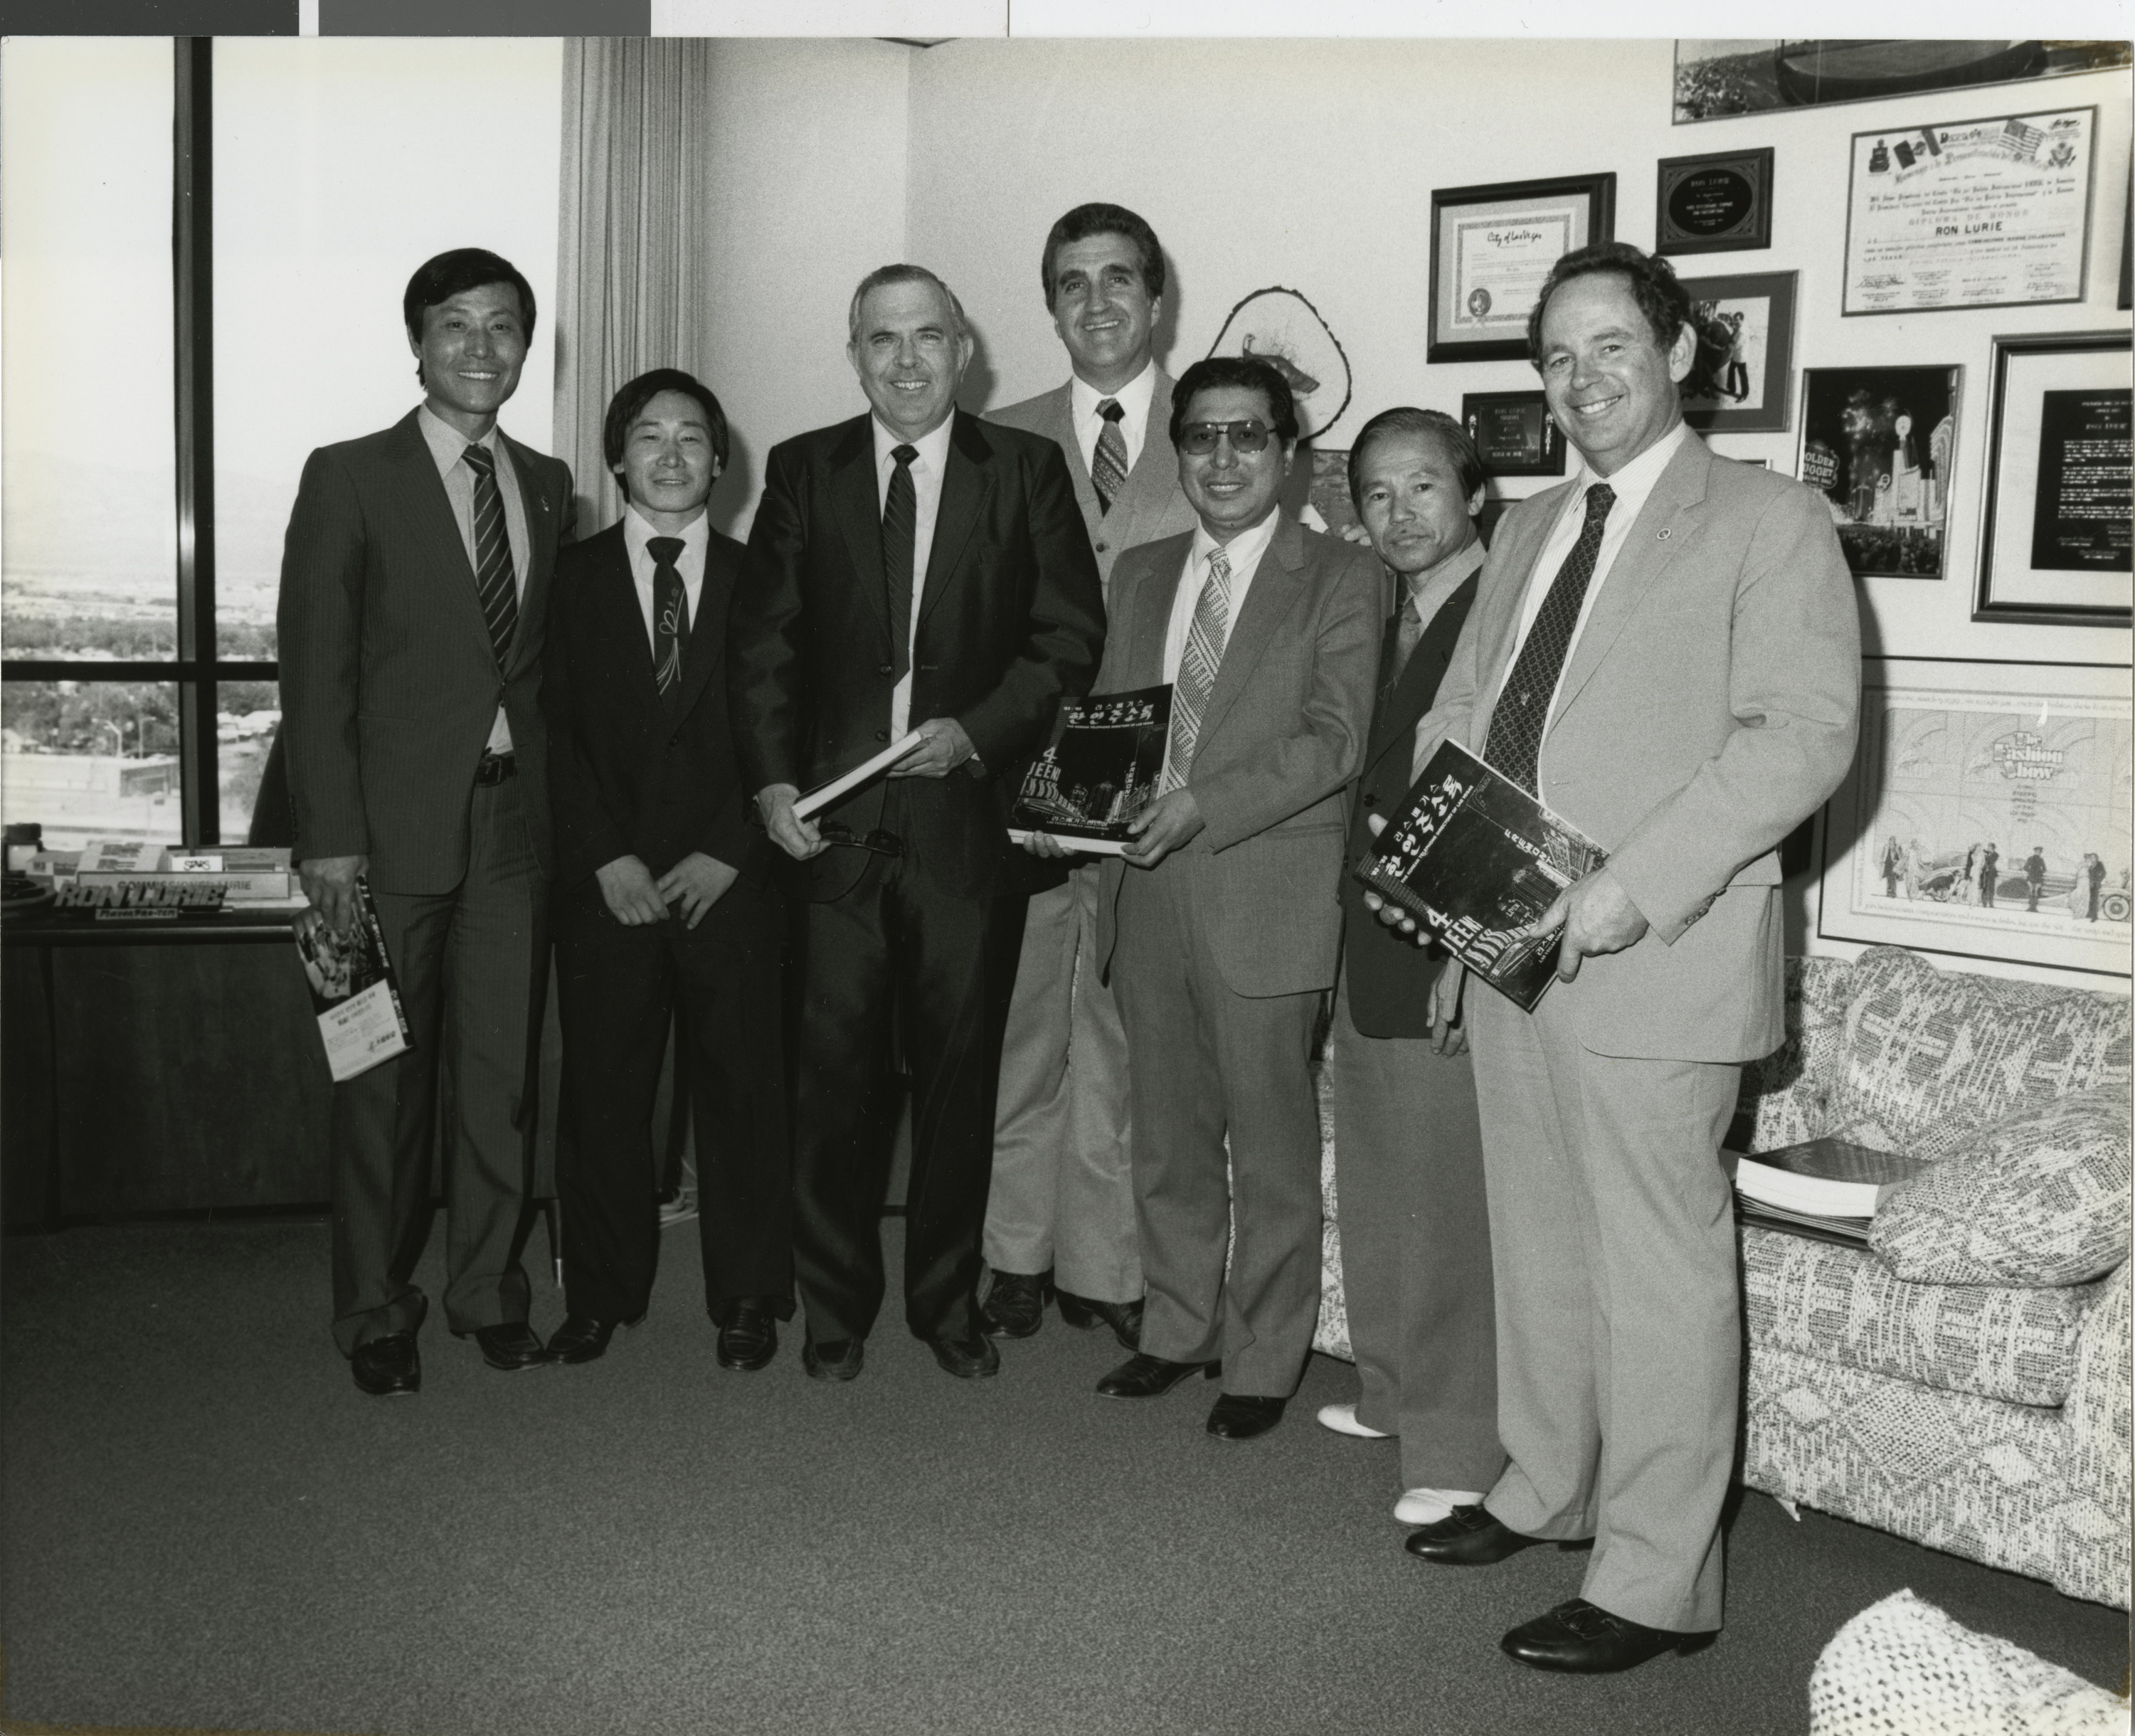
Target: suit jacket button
<point x="1370" y="800"/>
<point x="1103" y="547"/>
<point x="887" y="669"/>
<point x="882" y="734"/>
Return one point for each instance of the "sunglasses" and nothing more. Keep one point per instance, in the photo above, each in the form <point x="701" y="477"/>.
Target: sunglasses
<point x="882" y="843"/>
<point x="1200" y="437"/>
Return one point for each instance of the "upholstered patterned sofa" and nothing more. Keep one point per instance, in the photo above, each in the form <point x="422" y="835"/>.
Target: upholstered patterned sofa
<point x="1964" y="1381"/>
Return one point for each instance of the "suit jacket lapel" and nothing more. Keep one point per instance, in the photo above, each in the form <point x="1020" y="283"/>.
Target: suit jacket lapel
<point x="856" y="503"/>
<point x="1276" y="582"/>
<point x="708" y="627"/>
<point x="1427" y="667"/>
<point x="541" y="534"/>
<point x="614" y="608"/>
<point x="1059" y="420"/>
<point x="1155" y="470"/>
<point x="967" y="479"/>
<point x="1142" y="618"/>
<point x="432" y="509"/>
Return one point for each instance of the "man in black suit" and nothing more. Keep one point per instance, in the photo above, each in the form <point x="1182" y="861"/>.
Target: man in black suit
<point x="1408" y="1148"/>
<point x="914" y="569"/>
<point x="662" y="888"/>
<point x="415" y="581"/>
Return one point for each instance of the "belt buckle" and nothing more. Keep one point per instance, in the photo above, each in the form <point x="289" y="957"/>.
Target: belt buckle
<point x="493" y="769"/>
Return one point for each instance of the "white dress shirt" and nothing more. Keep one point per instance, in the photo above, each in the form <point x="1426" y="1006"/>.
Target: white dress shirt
<point x="447" y="447"/>
<point x="1134" y="400"/>
<point x="926" y="470"/>
<point x="697" y="538"/>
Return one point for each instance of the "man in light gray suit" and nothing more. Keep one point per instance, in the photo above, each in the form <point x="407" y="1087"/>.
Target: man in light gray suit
<point x="1061" y="1214"/>
<point x="1221" y="923"/>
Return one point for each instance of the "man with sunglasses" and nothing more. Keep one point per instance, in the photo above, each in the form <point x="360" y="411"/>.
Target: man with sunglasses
<point x="1221" y="923"/>
<point x="912" y="569"/>
<point x="1061" y="1215"/>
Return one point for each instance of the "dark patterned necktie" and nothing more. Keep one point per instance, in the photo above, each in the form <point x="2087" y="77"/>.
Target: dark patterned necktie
<point x="1108" y="467"/>
<point x="671" y="618"/>
<point x="494" y="579"/>
<point x="1521" y="713"/>
<point x="900" y="531"/>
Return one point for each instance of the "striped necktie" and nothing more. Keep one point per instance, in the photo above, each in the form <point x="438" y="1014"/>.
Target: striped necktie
<point x="670" y="617"/>
<point x="494" y="581"/>
<point x="1197" y="665"/>
<point x="1108" y="466"/>
<point x="1521" y="713"/>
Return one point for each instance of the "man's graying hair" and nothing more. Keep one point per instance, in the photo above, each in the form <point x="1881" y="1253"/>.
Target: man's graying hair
<point x="882" y="275"/>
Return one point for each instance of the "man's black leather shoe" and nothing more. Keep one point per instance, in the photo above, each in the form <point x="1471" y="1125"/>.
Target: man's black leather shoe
<point x="1015" y="1307"/>
<point x="968" y="1359"/>
<point x="750" y="1337"/>
<point x="389" y="1366"/>
<point x="1083" y="1313"/>
<point x="838" y="1360"/>
<point x="1587" y="1640"/>
<point x="1241" y="1416"/>
<point x="1468" y="1537"/>
<point x="510" y="1347"/>
<point x="1150" y="1377"/>
<point x="581" y="1338"/>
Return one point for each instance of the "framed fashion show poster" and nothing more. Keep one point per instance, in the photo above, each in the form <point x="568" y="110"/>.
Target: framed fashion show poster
<point x="1490" y="248"/>
<point x="1720" y="202"/>
<point x="1755" y="384"/>
<point x="1987" y="814"/>
<point x="1878" y="442"/>
<point x="2054" y="544"/>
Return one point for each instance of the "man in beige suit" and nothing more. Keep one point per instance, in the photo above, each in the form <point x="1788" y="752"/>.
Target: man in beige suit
<point x="1061" y="1214"/>
<point x="1666" y="651"/>
<point x="1220" y="925"/>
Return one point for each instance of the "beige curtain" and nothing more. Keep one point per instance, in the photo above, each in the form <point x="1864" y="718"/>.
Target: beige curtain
<point x="634" y="240"/>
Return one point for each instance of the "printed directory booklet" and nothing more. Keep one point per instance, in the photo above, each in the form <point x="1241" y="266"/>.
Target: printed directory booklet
<point x="1823" y="1178"/>
<point x="354" y="991"/>
<point x="1099" y="773"/>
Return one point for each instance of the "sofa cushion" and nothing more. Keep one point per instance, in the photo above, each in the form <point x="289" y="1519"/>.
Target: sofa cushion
<point x="1844" y="1305"/>
<point x="1935" y="1055"/>
<point x="2041" y="1197"/>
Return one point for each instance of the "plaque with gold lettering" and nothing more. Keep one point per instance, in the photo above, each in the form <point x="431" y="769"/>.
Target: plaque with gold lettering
<point x="1716" y="203"/>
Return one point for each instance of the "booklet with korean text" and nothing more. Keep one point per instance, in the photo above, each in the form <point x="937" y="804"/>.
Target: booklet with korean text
<point x="1099" y="773"/>
<point x="354" y="991"/>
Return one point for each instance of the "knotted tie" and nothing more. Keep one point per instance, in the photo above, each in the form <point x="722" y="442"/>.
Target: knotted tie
<point x="1198" y="664"/>
<point x="1408" y="631"/>
<point x="1514" y="744"/>
<point x="1108" y="468"/>
<point x="671" y="618"/>
<point x="900" y="530"/>
<point x="494" y="581"/>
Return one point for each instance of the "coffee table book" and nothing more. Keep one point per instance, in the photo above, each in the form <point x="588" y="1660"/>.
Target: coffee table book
<point x="1099" y="773"/>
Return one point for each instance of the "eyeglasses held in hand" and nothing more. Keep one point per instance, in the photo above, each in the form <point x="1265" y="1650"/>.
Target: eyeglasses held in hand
<point x="1200" y="437"/>
<point x="882" y="843"/>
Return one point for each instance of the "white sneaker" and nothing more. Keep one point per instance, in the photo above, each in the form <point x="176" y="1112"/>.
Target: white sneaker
<point x="1341" y="1418"/>
<point x="1427" y="1506"/>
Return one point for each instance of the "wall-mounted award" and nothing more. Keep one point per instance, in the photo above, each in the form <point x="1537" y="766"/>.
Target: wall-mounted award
<point x="1716" y="203"/>
<point x="1513" y="433"/>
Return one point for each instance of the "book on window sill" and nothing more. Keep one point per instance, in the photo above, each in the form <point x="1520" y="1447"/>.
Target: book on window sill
<point x="355" y="994"/>
<point x="1475" y="857"/>
<point x="1100" y="772"/>
<point x="1823" y="1178"/>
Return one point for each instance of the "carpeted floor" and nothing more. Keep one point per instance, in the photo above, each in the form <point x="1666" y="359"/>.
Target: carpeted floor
<point x="206" y="1525"/>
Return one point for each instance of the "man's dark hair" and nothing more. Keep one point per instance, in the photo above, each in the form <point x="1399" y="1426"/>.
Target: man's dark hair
<point x="1249" y="372"/>
<point x="1660" y="298"/>
<point x="626" y="407"/>
<point x="1099" y="219"/>
<point x="456" y="273"/>
<point x="1406" y="420"/>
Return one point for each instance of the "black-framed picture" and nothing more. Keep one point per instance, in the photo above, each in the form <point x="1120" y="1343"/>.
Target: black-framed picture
<point x="1879" y="443"/>
<point x="1513" y="433"/>
<point x="1717" y="78"/>
<point x="1755" y="382"/>
<point x="2054" y="542"/>
<point x="1490" y="248"/>
<point x="1720" y="202"/>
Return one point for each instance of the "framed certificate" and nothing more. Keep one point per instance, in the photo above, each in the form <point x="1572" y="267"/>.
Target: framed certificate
<point x="1490" y="248"/>
<point x="1513" y="433"/>
<point x="1989" y="213"/>
<point x="1718" y="203"/>
<point x="1754" y="385"/>
<point x="2054" y="546"/>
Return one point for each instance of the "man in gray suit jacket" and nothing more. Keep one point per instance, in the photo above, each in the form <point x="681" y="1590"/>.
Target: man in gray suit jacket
<point x="415" y="590"/>
<point x="1061" y="1213"/>
<point x="1220" y="926"/>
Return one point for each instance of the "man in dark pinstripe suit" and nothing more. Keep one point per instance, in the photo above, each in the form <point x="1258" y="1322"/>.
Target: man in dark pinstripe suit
<point x="415" y="590"/>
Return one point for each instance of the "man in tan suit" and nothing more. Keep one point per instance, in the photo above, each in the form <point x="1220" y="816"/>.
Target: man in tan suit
<point x="1666" y="651"/>
<point x="1221" y="924"/>
<point x="1061" y="1214"/>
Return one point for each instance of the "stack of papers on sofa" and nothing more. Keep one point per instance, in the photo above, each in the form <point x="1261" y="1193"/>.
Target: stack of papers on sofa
<point x="1827" y="1188"/>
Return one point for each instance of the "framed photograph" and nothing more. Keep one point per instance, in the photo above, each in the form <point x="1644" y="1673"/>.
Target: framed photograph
<point x="2054" y="546"/>
<point x="1720" y="202"/>
<point x="1717" y="78"/>
<point x="1756" y="381"/>
<point x="1328" y="491"/>
<point x="1878" y="443"/>
<point x="1514" y="432"/>
<point x="1992" y="213"/>
<point x="1490" y="248"/>
<point x="1987" y="814"/>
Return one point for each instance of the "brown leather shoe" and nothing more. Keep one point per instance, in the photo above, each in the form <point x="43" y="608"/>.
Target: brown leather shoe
<point x="1584" y="1639"/>
<point x="388" y="1367"/>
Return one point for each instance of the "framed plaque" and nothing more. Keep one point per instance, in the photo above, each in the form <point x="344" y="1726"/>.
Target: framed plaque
<point x="2054" y="546"/>
<point x="1513" y="433"/>
<point x="1755" y="384"/>
<point x="1718" y="203"/>
<point x="1490" y="248"/>
<point x="1880" y="444"/>
<point x="1989" y="213"/>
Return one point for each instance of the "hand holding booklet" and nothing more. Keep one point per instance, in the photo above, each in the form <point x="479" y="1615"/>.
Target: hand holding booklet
<point x="815" y="801"/>
<point x="354" y="991"/>
<point x="1099" y="774"/>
